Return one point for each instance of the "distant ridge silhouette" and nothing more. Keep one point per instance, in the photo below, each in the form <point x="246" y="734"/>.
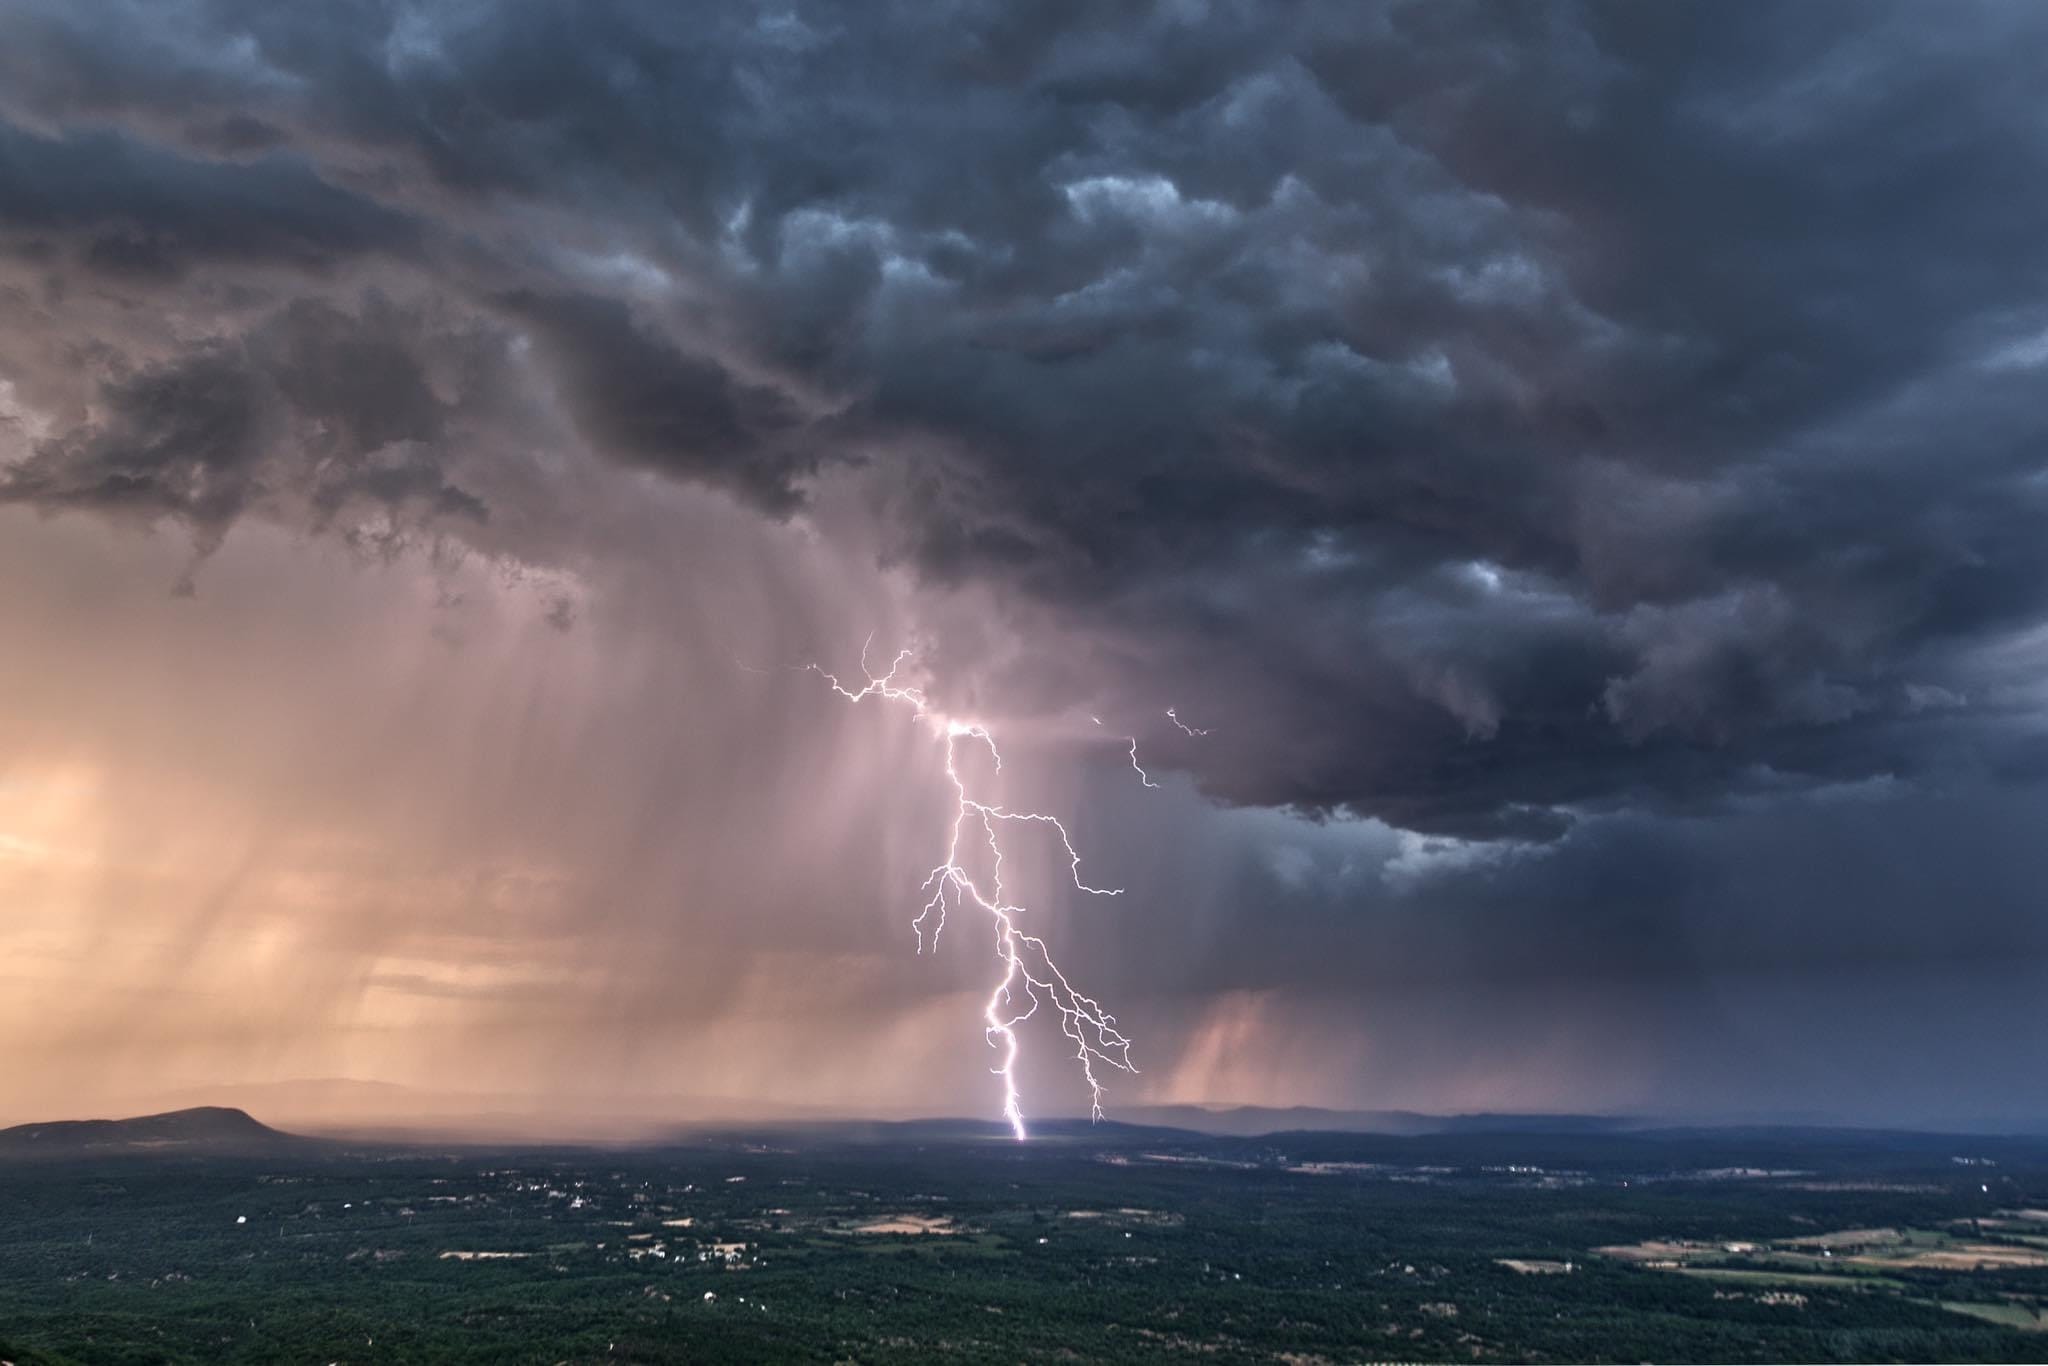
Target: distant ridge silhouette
<point x="206" y="1128"/>
<point x="1250" y="1121"/>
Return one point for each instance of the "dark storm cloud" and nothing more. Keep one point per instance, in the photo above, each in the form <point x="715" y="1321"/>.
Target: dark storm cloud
<point x="638" y="398"/>
<point x="180" y="439"/>
<point x="318" y="408"/>
<point x="1483" y="415"/>
<point x="118" y="207"/>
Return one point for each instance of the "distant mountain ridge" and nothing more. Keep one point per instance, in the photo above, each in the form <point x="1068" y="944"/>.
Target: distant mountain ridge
<point x="1252" y="1121"/>
<point x="205" y="1128"/>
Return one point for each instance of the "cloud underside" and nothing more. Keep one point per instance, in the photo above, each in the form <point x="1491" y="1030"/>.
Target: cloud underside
<point x="1482" y="417"/>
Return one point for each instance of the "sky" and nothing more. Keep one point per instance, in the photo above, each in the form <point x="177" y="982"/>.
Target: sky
<point x="1581" y="464"/>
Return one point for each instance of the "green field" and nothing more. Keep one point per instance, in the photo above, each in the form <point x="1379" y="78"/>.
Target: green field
<point x="2009" y="1315"/>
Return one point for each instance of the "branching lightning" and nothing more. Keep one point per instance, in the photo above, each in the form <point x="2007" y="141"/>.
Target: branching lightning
<point x="1134" y="763"/>
<point x="1186" y="729"/>
<point x="1143" y="777"/>
<point x="1028" y="975"/>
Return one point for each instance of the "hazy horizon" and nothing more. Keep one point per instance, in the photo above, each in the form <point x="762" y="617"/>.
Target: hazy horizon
<point x="350" y="1108"/>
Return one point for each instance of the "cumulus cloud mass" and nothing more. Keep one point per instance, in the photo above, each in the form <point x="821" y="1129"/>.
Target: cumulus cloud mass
<point x="1581" y="464"/>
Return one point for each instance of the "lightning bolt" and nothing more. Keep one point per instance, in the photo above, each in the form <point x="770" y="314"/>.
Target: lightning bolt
<point x="1143" y="777"/>
<point x="1186" y="729"/>
<point x="1027" y="977"/>
<point x="1134" y="762"/>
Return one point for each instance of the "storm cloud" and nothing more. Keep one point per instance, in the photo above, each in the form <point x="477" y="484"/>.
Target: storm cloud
<point x="1548" y="435"/>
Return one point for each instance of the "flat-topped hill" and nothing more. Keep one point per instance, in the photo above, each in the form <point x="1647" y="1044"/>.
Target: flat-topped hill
<point x="206" y="1128"/>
